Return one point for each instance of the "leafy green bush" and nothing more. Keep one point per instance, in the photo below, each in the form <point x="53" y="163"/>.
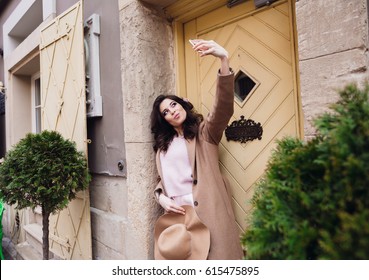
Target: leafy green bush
<point x="313" y="202"/>
<point x="43" y="170"/>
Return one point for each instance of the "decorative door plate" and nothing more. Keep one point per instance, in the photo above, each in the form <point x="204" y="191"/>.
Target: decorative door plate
<point x="244" y="130"/>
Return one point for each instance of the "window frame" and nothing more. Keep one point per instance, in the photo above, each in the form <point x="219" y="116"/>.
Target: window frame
<point x="36" y="127"/>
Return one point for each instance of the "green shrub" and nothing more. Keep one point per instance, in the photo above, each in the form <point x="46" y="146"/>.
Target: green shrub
<point x="313" y="202"/>
<point x="43" y="170"/>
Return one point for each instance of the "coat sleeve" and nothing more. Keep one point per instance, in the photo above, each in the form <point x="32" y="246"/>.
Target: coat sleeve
<point x="218" y="118"/>
<point x="159" y="182"/>
<point x="158" y="190"/>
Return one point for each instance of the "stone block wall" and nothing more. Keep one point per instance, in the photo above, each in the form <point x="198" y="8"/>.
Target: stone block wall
<point x="333" y="51"/>
<point x="147" y="70"/>
<point x="108" y="198"/>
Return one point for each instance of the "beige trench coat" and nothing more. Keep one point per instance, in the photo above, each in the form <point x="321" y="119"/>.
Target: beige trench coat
<point x="211" y="191"/>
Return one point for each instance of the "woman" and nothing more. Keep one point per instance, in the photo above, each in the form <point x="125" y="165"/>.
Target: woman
<point x="186" y="148"/>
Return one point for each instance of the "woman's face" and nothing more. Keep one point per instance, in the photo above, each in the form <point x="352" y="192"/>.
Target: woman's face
<point x="173" y="112"/>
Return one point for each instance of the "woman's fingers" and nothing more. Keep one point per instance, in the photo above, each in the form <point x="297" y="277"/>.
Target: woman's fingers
<point x="180" y="210"/>
<point x="169" y="205"/>
<point x="177" y="209"/>
<point x="201" y="46"/>
<point x="209" y="48"/>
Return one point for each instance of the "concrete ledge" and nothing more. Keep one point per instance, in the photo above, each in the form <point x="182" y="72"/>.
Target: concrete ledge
<point x="108" y="229"/>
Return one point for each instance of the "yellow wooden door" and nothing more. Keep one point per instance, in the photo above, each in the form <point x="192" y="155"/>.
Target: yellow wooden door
<point x="64" y="110"/>
<point x="261" y="45"/>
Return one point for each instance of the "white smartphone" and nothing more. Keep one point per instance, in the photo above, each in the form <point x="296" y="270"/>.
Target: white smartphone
<point x="192" y="42"/>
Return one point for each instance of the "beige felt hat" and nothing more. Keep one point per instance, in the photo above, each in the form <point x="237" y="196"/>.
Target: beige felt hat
<point x="181" y="237"/>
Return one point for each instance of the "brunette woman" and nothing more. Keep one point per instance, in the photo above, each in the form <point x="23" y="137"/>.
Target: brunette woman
<point x="186" y="146"/>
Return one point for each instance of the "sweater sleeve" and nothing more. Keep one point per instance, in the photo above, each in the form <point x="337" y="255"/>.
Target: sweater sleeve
<point x="218" y="118"/>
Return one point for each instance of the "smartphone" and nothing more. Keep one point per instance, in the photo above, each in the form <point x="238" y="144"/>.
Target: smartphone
<point x="192" y="42"/>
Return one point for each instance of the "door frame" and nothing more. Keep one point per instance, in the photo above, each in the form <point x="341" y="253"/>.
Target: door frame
<point x="192" y="24"/>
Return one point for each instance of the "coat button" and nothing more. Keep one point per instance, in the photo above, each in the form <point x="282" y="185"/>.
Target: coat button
<point x="195" y="203"/>
<point x="195" y="182"/>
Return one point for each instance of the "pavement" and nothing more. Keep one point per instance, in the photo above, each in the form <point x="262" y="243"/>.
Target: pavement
<point x="9" y="251"/>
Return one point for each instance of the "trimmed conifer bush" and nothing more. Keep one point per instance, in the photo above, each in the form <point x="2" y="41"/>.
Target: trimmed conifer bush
<point x="313" y="202"/>
<point x="43" y="170"/>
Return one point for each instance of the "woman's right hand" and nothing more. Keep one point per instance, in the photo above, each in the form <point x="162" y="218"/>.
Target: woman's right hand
<point x="169" y="205"/>
<point x="211" y="47"/>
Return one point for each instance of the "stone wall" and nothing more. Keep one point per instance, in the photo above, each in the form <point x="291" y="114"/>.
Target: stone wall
<point x="108" y="198"/>
<point x="147" y="70"/>
<point x="333" y="51"/>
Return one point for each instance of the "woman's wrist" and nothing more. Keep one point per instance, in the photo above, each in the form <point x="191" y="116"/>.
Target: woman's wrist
<point x="224" y="65"/>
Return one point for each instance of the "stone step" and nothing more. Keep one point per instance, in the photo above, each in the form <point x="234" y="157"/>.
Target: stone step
<point x="26" y="252"/>
<point x="31" y="249"/>
<point x="34" y="236"/>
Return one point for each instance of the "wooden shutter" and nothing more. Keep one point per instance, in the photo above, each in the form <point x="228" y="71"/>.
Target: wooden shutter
<point x="64" y="110"/>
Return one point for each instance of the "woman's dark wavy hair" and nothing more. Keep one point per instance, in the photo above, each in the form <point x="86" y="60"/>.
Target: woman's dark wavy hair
<point x="165" y="132"/>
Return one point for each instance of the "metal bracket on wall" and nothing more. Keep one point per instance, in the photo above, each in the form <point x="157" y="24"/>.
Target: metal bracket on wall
<point x="232" y="3"/>
<point x="92" y="58"/>
<point x="258" y="3"/>
<point x="122" y="167"/>
<point x="244" y="130"/>
<point x="261" y="3"/>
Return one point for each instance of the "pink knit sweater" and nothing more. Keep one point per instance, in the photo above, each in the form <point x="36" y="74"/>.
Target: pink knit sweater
<point x="177" y="172"/>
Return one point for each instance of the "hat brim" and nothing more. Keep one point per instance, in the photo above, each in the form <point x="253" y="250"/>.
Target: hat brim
<point x="200" y="235"/>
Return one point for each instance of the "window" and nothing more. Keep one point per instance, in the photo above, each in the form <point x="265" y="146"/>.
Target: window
<point x="243" y="86"/>
<point x="2" y="103"/>
<point x="36" y="103"/>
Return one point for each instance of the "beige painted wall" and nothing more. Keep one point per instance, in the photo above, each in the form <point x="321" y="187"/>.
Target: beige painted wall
<point x="333" y="51"/>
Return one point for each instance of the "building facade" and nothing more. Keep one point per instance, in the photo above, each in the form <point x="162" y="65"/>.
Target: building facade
<point x="290" y="58"/>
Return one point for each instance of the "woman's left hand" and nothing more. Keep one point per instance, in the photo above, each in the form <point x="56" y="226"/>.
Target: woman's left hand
<point x="169" y="205"/>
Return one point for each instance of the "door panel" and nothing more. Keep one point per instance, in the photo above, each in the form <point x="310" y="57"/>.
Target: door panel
<point x="261" y="45"/>
<point x="64" y="110"/>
